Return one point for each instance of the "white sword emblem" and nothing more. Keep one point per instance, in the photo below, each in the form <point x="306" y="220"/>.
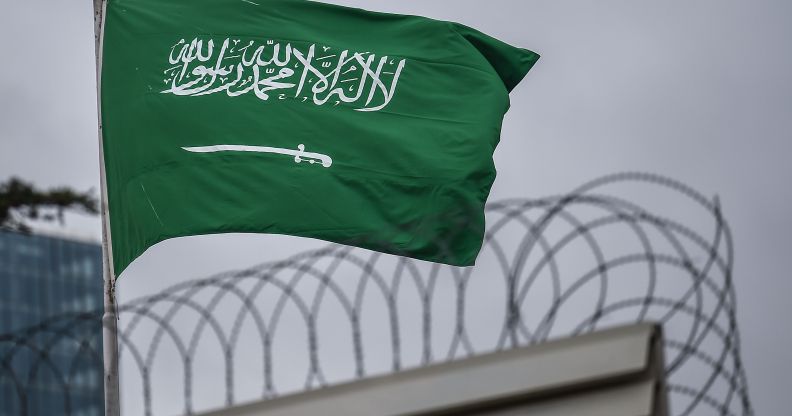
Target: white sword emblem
<point x="300" y="154"/>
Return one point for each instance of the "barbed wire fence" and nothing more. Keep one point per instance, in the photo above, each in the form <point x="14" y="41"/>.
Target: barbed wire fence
<point x="550" y="267"/>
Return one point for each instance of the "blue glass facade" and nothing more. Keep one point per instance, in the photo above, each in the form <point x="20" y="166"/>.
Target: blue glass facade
<point x="47" y="373"/>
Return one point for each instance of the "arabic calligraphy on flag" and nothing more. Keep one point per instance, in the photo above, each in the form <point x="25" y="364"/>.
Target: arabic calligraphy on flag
<point x="300" y="118"/>
<point x="310" y="73"/>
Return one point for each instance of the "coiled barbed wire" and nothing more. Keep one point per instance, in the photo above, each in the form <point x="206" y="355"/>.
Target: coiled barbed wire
<point x="550" y="267"/>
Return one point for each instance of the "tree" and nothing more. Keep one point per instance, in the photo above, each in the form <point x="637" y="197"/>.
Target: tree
<point x="20" y="202"/>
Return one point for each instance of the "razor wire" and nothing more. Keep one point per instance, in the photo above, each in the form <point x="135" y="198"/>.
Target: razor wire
<point x="550" y="267"/>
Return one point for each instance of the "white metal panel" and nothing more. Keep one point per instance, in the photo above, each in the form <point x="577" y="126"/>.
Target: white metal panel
<point x="593" y="372"/>
<point x="630" y="399"/>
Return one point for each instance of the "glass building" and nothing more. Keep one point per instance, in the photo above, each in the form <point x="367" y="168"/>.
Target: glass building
<point x="55" y="370"/>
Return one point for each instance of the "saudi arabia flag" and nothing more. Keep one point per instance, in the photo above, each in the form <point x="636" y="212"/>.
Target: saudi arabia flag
<point x="294" y="117"/>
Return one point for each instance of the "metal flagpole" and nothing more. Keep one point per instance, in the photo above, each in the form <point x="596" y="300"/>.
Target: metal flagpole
<point x="109" y="319"/>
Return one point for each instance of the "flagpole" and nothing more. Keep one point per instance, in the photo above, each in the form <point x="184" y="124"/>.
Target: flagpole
<point x="112" y="397"/>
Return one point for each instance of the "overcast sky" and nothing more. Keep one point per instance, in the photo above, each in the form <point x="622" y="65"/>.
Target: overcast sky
<point x="696" y="90"/>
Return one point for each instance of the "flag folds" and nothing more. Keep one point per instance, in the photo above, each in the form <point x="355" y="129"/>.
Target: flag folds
<point x="294" y="117"/>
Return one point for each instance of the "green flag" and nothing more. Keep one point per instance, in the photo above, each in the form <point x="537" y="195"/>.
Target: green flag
<point x="294" y="117"/>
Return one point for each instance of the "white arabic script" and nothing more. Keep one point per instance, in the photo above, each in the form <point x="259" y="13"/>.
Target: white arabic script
<point x="319" y="74"/>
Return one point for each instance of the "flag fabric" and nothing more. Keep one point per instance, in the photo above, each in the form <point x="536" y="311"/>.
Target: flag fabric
<point x="295" y="117"/>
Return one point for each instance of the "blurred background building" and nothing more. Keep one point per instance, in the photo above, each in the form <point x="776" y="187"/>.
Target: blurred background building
<point x="43" y="277"/>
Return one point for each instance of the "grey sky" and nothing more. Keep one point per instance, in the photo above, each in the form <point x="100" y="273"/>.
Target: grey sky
<point x="696" y="90"/>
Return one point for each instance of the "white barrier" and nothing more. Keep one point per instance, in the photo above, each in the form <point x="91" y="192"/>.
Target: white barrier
<point x="617" y="372"/>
